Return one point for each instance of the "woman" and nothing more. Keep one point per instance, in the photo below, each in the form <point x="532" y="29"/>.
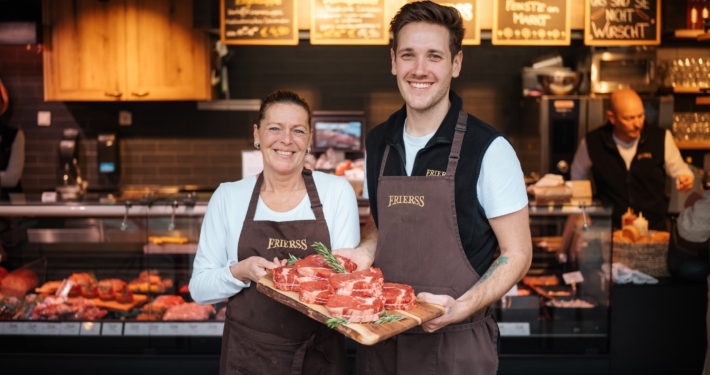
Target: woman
<point x="240" y="240"/>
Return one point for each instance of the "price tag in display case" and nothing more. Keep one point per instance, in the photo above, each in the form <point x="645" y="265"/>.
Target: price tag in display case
<point x="90" y="329"/>
<point x="573" y="277"/>
<point x="52" y="328"/>
<point x="214" y="329"/>
<point x="136" y="329"/>
<point x="514" y="329"/>
<point x="69" y="328"/>
<point x="192" y="329"/>
<point x="155" y="329"/>
<point x="112" y="329"/>
<point x="172" y="329"/>
<point x="13" y="328"/>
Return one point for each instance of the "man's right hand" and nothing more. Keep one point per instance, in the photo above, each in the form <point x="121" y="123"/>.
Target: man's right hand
<point x="252" y="268"/>
<point x="360" y="256"/>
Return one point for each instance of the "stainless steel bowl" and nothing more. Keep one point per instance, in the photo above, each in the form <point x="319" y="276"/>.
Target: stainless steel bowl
<point x="560" y="82"/>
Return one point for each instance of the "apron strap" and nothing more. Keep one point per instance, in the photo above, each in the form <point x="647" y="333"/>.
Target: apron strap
<point x="316" y="205"/>
<point x="299" y="357"/>
<point x="311" y="190"/>
<point x="254" y="198"/>
<point x="456" y="146"/>
<point x="384" y="160"/>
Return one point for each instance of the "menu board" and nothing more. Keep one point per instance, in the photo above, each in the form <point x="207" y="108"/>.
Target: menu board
<point x="541" y="22"/>
<point x="469" y="13"/>
<point x="349" y="22"/>
<point x="625" y="22"/>
<point x="267" y="22"/>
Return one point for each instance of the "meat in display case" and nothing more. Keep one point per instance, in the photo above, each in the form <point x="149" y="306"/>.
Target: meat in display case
<point x="119" y="271"/>
<point x="562" y="305"/>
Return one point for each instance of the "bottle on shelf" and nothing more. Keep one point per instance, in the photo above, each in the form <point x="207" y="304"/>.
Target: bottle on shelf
<point x="704" y="13"/>
<point x="693" y="20"/>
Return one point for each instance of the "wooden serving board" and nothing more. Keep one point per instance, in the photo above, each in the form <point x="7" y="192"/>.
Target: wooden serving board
<point x="366" y="334"/>
<point x="138" y="300"/>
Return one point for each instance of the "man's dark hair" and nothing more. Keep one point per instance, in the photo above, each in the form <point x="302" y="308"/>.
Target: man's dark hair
<point x="286" y="97"/>
<point x="430" y="12"/>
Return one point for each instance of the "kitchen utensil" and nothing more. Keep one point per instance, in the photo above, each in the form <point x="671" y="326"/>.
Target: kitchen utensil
<point x="560" y="82"/>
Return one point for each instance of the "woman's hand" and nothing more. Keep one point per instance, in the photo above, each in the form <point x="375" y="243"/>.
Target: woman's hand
<point x="253" y="268"/>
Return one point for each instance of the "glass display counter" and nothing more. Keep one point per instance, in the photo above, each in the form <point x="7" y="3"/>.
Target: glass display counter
<point x="104" y="277"/>
<point x="562" y="305"/>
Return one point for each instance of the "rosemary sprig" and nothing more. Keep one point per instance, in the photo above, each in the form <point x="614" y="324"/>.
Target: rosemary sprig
<point x="334" y="322"/>
<point x="292" y="259"/>
<point x="329" y="257"/>
<point x="386" y="318"/>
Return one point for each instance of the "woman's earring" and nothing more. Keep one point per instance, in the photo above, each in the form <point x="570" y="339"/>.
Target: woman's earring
<point x="308" y="151"/>
<point x="256" y="145"/>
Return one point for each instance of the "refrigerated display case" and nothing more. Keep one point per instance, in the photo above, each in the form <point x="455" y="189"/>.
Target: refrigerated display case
<point x="562" y="305"/>
<point x="149" y="245"/>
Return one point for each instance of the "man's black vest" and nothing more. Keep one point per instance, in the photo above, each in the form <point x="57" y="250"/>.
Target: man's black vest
<point x="642" y="187"/>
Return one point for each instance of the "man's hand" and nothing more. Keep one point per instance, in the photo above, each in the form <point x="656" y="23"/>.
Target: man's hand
<point x="359" y="256"/>
<point x="253" y="268"/>
<point x="455" y="311"/>
<point x="685" y="183"/>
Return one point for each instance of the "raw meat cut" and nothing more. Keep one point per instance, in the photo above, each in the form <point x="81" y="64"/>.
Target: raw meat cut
<point x="188" y="311"/>
<point x="355" y="309"/>
<point x="316" y="292"/>
<point x="315" y="267"/>
<point x="286" y="279"/>
<point x="367" y="283"/>
<point x="398" y="296"/>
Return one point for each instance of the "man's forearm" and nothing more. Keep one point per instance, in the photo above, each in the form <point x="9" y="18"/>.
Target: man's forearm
<point x="368" y="242"/>
<point x="505" y="272"/>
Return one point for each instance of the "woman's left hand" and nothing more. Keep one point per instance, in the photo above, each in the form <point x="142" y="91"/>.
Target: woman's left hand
<point x="253" y="268"/>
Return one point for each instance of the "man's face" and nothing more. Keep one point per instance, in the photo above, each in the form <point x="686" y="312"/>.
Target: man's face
<point x="423" y="65"/>
<point x="628" y="119"/>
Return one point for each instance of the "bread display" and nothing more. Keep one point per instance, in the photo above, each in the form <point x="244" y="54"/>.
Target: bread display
<point x="17" y="283"/>
<point x="631" y="234"/>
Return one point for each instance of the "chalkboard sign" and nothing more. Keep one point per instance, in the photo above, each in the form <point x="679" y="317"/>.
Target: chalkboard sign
<point x="267" y="22"/>
<point x="349" y="22"/>
<point x="622" y="22"/>
<point x="540" y="22"/>
<point x="469" y="13"/>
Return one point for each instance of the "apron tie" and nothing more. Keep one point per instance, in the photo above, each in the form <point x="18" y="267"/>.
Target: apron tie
<point x="299" y="357"/>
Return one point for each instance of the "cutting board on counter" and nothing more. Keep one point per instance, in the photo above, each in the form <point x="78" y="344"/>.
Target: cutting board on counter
<point x="138" y="300"/>
<point x="366" y="334"/>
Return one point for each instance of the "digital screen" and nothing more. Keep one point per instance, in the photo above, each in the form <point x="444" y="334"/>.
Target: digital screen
<point x="340" y="135"/>
<point x="107" y="167"/>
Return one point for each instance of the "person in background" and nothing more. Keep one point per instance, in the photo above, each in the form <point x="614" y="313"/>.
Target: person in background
<point x="446" y="190"/>
<point x="694" y="225"/>
<point x="243" y="218"/>
<point x="12" y="151"/>
<point x="629" y="162"/>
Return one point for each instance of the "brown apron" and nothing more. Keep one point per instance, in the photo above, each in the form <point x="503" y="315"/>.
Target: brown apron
<point x="262" y="336"/>
<point x="419" y="245"/>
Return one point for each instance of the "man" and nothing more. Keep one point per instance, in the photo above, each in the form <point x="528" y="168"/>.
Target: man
<point x="438" y="230"/>
<point x="629" y="162"/>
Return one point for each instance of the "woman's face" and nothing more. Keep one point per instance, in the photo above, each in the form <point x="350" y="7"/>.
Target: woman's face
<point x="284" y="136"/>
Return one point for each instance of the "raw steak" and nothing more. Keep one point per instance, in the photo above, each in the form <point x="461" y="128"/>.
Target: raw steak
<point x="355" y="309"/>
<point x="398" y="296"/>
<point x="316" y="292"/>
<point x="286" y="279"/>
<point x="315" y="267"/>
<point x="367" y="283"/>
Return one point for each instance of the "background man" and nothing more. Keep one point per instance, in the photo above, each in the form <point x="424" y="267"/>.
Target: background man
<point x="629" y="162"/>
<point x="445" y="191"/>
